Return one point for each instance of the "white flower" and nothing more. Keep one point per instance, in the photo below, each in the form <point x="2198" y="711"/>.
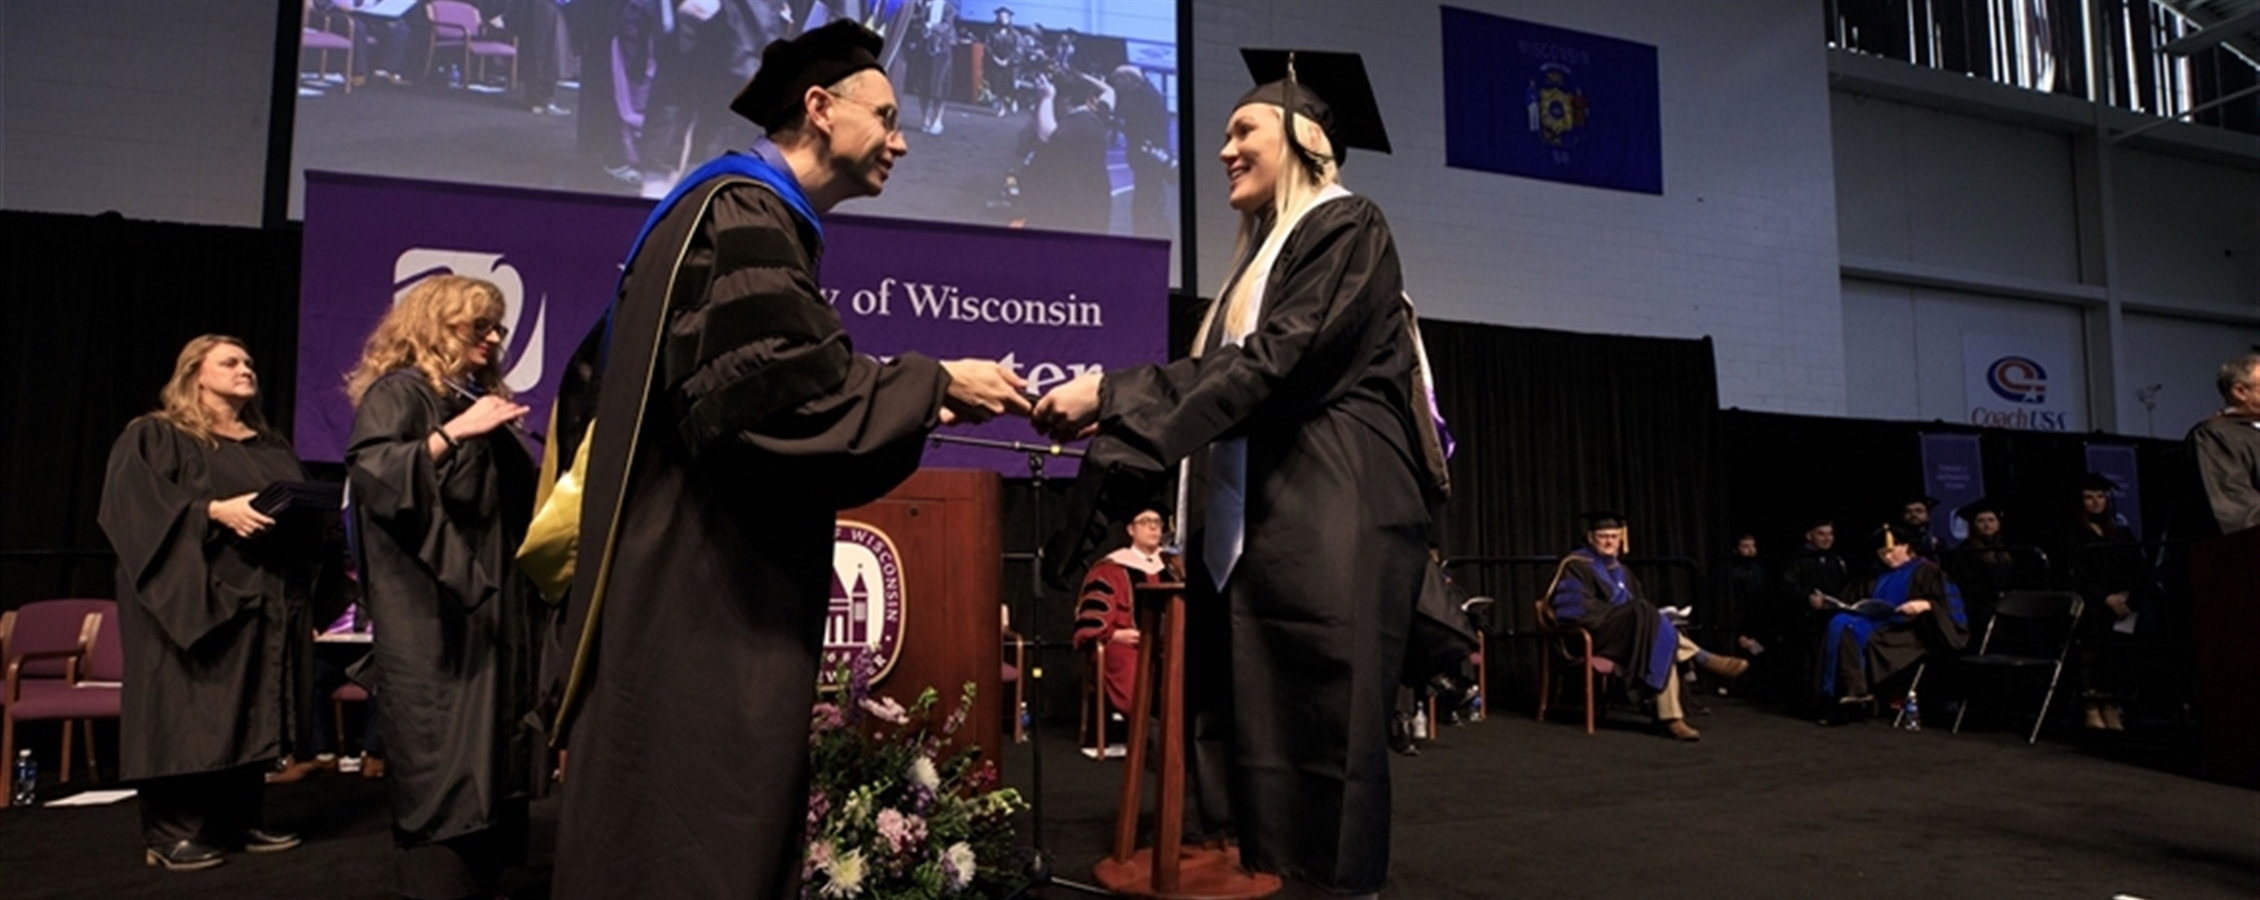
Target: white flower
<point x="959" y="863"/>
<point x="886" y="709"/>
<point x="844" y="875"/>
<point x="922" y="773"/>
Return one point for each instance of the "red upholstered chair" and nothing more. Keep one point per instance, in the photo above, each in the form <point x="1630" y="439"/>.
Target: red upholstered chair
<point x="1569" y="645"/>
<point x="324" y="31"/>
<point x="49" y="646"/>
<point x="458" y="25"/>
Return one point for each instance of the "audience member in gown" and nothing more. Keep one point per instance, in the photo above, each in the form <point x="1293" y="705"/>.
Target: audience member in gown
<point x="1990" y="563"/>
<point x="1593" y="589"/>
<point x="214" y="609"/>
<point x="1914" y="518"/>
<point x="2113" y="578"/>
<point x="1918" y="611"/>
<point x="442" y="491"/>
<point x="1817" y="572"/>
<point x="1743" y="592"/>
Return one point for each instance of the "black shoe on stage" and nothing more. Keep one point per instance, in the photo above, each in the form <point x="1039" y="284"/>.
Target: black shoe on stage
<point x="1401" y="735"/>
<point x="183" y="856"/>
<point x="262" y="841"/>
<point x="1454" y="695"/>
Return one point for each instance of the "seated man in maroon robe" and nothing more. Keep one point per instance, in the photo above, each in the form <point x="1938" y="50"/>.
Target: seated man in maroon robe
<point x="1107" y="614"/>
<point x="1594" y="590"/>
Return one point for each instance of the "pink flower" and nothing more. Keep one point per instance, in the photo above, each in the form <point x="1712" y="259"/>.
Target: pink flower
<point x="901" y="832"/>
<point x="826" y="717"/>
<point x="886" y="709"/>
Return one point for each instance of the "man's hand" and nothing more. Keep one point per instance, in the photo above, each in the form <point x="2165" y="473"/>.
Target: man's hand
<point x="1817" y="599"/>
<point x="1071" y="410"/>
<point x="1913" y="608"/>
<point x="1126" y="637"/>
<point x="981" y="390"/>
<point x="235" y="514"/>
<point x="699" y="10"/>
<point x="2118" y="604"/>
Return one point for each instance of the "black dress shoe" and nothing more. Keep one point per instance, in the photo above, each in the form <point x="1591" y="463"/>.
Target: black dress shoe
<point x="262" y="841"/>
<point x="1455" y="696"/>
<point x="183" y="856"/>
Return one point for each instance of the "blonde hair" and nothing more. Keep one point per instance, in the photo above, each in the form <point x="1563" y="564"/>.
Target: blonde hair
<point x="181" y="404"/>
<point x="1298" y="185"/>
<point x="423" y="331"/>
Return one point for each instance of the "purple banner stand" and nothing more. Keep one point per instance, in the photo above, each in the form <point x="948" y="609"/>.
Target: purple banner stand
<point x="1050" y="304"/>
<point x="1954" y="472"/>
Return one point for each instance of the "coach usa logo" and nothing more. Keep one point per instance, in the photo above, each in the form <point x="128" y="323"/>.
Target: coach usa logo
<point x="867" y="599"/>
<point x="418" y="263"/>
<point x="2018" y="380"/>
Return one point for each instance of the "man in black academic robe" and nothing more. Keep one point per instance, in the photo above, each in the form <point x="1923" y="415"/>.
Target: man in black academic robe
<point x="1818" y="569"/>
<point x="2226" y="450"/>
<point x="733" y="421"/>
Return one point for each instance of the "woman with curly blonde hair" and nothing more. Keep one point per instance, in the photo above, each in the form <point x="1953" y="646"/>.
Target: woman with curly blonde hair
<point x="442" y="492"/>
<point x="214" y="609"/>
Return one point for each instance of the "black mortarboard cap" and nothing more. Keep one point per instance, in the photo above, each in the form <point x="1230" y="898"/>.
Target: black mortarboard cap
<point x="790" y="67"/>
<point x="1602" y="519"/>
<point x="1328" y="88"/>
<point x="1971" y="510"/>
<point x="1889" y="535"/>
<point x="1928" y="501"/>
<point x="2097" y="481"/>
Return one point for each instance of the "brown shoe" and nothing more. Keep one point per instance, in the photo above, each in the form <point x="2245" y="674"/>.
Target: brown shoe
<point x="293" y="771"/>
<point x="372" y="768"/>
<point x="1681" y="731"/>
<point x="1728" y="667"/>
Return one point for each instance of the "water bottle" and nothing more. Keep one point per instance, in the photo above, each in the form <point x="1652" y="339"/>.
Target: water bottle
<point x="1475" y="708"/>
<point x="1420" y="725"/>
<point x="1027" y="722"/>
<point x="27" y="779"/>
<point x="1911" y="715"/>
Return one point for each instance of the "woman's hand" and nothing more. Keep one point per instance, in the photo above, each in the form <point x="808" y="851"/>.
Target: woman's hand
<point x="1914" y="608"/>
<point x="487" y="414"/>
<point x="1070" y="411"/>
<point x="235" y="514"/>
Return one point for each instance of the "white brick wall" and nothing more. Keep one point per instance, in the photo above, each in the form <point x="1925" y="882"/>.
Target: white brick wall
<point x="154" y="108"/>
<point x="1741" y="246"/>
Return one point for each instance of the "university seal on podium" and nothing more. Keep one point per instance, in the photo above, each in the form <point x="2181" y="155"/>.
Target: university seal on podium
<point x="867" y="599"/>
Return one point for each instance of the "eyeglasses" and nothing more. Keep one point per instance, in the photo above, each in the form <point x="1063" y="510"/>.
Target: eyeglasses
<point x="482" y="327"/>
<point x="889" y="115"/>
<point x="1146" y="520"/>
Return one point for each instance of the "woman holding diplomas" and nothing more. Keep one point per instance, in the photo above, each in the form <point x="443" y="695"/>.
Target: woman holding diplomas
<point x="213" y="609"/>
<point x="1308" y="437"/>
<point x="442" y="492"/>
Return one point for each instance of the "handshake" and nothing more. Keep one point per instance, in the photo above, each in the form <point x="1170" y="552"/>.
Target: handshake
<point x="981" y="390"/>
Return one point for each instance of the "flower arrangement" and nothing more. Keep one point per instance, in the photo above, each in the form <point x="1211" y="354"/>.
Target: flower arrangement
<point x="893" y="814"/>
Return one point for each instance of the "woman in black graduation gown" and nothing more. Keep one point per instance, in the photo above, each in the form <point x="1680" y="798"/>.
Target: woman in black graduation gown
<point x="1300" y="416"/>
<point x="213" y="609"/>
<point x="441" y="493"/>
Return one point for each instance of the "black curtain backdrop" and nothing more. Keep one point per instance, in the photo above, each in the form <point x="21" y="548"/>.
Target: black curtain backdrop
<point x="97" y="308"/>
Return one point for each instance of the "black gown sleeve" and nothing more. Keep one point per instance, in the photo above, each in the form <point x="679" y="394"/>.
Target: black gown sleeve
<point x="156" y="519"/>
<point x="412" y="497"/>
<point x="762" y="376"/>
<point x="1931" y="583"/>
<point x="2231" y="473"/>
<point x="1323" y="298"/>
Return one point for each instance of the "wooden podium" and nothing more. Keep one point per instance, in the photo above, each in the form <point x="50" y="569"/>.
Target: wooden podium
<point x="1168" y="870"/>
<point x="948" y="528"/>
<point x="2224" y="578"/>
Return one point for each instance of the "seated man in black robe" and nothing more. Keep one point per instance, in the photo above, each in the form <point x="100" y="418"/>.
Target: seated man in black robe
<point x="1594" y="590"/>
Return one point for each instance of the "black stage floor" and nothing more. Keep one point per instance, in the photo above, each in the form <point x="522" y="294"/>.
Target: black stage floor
<point x="1765" y="806"/>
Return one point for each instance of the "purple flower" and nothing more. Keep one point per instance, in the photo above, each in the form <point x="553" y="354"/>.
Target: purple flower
<point x="901" y="832"/>
<point x="826" y="717"/>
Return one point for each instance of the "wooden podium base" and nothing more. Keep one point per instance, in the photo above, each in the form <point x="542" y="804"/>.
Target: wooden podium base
<point x="1202" y="874"/>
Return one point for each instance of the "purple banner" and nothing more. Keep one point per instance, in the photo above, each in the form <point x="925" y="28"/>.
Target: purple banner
<point x="1049" y="304"/>
<point x="1954" y="472"/>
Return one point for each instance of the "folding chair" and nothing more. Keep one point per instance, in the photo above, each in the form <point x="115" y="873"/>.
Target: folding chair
<point x="2031" y="631"/>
